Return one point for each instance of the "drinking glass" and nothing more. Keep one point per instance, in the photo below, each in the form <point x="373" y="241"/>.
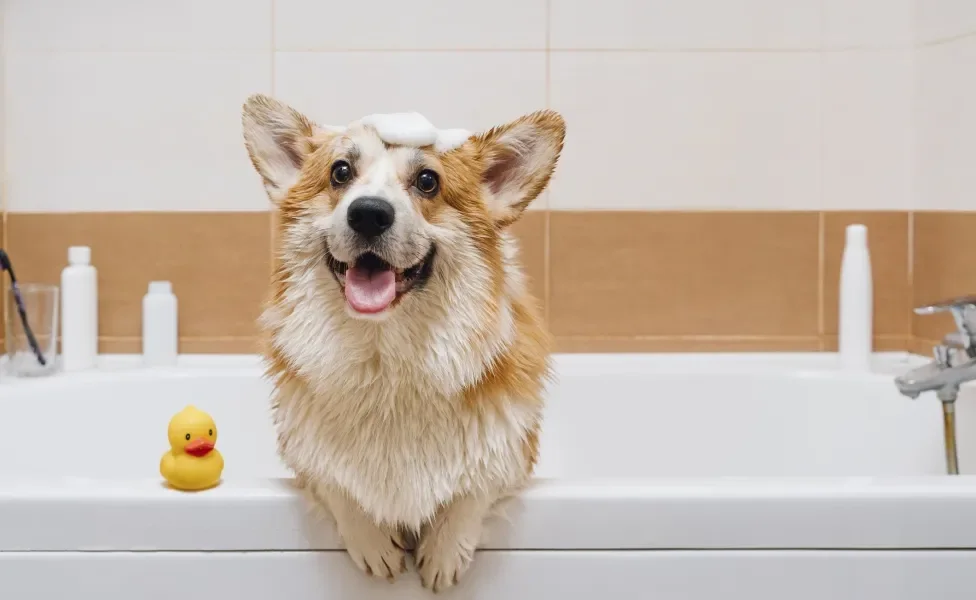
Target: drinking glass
<point x="31" y="331"/>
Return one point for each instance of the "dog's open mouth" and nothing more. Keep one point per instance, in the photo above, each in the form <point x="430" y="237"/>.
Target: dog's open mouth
<point x="372" y="285"/>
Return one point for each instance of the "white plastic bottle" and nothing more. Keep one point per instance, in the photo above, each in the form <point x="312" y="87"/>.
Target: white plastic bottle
<point x="159" y="325"/>
<point x="79" y="311"/>
<point x="856" y="308"/>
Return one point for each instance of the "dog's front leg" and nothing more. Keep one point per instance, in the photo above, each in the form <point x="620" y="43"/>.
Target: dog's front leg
<point x="447" y="545"/>
<point x="375" y="549"/>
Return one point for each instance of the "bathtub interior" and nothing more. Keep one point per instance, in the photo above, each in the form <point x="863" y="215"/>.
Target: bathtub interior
<point x="607" y="418"/>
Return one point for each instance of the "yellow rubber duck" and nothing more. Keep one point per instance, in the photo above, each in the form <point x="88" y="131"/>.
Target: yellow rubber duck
<point x="192" y="462"/>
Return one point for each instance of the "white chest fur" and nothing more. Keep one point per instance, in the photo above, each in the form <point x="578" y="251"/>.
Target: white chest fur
<point x="399" y="450"/>
<point x="386" y="411"/>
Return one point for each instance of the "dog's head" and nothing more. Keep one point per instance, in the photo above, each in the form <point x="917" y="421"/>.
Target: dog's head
<point x="385" y="225"/>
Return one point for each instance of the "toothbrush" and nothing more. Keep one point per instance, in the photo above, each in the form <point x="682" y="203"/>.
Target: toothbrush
<point x="5" y="265"/>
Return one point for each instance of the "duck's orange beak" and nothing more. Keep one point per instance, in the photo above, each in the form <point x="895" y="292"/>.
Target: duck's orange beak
<point x="198" y="447"/>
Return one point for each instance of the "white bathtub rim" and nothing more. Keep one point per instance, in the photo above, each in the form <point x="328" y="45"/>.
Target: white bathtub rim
<point x="688" y="488"/>
<point x="714" y="513"/>
<point x="820" y="365"/>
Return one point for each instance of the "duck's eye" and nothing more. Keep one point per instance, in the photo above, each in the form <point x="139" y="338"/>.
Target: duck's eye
<point x="341" y="172"/>
<point x="211" y="433"/>
<point x="427" y="182"/>
<point x="188" y="437"/>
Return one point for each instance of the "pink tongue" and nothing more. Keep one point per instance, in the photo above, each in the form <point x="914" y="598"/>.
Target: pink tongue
<point x="370" y="292"/>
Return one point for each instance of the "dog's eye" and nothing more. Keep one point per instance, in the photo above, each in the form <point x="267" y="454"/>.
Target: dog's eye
<point x="427" y="181"/>
<point x="341" y="172"/>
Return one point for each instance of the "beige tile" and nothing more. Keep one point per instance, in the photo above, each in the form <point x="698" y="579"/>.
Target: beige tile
<point x="622" y="274"/>
<point x="218" y="263"/>
<point x="115" y="131"/>
<point x="304" y="25"/>
<point x="888" y="244"/>
<point x="868" y="23"/>
<point x="688" y="24"/>
<point x="946" y="126"/>
<point x="867" y="131"/>
<point x="121" y="25"/>
<point x="644" y="130"/>
<point x="941" y="19"/>
<point x="683" y="344"/>
<point x="944" y="266"/>
<point x="471" y="90"/>
<point x="3" y="282"/>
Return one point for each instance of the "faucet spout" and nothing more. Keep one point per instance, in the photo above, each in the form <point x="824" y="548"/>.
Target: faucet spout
<point x="945" y="374"/>
<point x="944" y="379"/>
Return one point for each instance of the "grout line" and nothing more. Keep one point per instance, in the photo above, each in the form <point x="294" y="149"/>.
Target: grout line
<point x="271" y="241"/>
<point x="911" y="251"/>
<point x="4" y="187"/>
<point x="691" y="338"/>
<point x="821" y="215"/>
<point x="911" y="271"/>
<point x="547" y="269"/>
<point x="947" y="40"/>
<point x="602" y="208"/>
<point x="547" y="218"/>
<point x="821" y="273"/>
<point x="271" y="212"/>
<point x="274" y="42"/>
<point x="144" y="52"/>
<point x="669" y="50"/>
<point x="635" y="50"/>
<point x="195" y="338"/>
<point x="548" y="53"/>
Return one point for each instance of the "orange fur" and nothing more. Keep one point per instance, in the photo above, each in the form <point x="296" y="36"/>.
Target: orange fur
<point x="421" y="421"/>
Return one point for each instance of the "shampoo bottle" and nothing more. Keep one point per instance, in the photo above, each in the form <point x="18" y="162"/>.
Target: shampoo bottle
<point x="159" y="325"/>
<point x="79" y="311"/>
<point x="856" y="301"/>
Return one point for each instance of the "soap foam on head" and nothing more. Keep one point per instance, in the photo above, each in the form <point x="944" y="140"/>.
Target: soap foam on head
<point x="414" y="130"/>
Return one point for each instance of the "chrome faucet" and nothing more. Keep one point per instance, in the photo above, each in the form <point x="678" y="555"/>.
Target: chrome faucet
<point x="954" y="364"/>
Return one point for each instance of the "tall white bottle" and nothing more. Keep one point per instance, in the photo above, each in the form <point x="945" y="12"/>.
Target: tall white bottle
<point x="856" y="308"/>
<point x="159" y="324"/>
<point x="79" y="311"/>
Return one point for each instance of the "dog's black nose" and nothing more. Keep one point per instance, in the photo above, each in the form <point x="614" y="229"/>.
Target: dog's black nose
<point x="370" y="216"/>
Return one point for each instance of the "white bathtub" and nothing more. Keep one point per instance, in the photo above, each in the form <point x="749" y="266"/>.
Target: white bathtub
<point x="693" y="477"/>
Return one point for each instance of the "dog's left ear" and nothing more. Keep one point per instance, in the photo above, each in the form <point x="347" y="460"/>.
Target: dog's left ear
<point x="519" y="159"/>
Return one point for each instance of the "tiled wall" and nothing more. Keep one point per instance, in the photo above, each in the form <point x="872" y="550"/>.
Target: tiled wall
<point x="945" y="150"/>
<point x="3" y="174"/>
<point x="715" y="150"/>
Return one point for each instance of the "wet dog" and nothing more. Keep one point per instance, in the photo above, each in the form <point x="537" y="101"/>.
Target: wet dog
<point x="408" y="357"/>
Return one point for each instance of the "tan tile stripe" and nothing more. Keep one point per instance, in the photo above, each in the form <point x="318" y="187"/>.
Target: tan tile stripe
<point x="944" y="266"/>
<point x="3" y="276"/>
<point x="610" y="281"/>
<point x="673" y="274"/>
<point x="218" y="263"/>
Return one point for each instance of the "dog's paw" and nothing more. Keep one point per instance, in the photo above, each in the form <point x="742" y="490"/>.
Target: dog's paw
<point x="376" y="552"/>
<point x="443" y="557"/>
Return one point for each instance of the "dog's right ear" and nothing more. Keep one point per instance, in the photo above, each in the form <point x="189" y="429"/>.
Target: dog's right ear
<point x="278" y="139"/>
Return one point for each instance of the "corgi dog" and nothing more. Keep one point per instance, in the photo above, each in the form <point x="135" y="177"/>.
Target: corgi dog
<point x="407" y="356"/>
